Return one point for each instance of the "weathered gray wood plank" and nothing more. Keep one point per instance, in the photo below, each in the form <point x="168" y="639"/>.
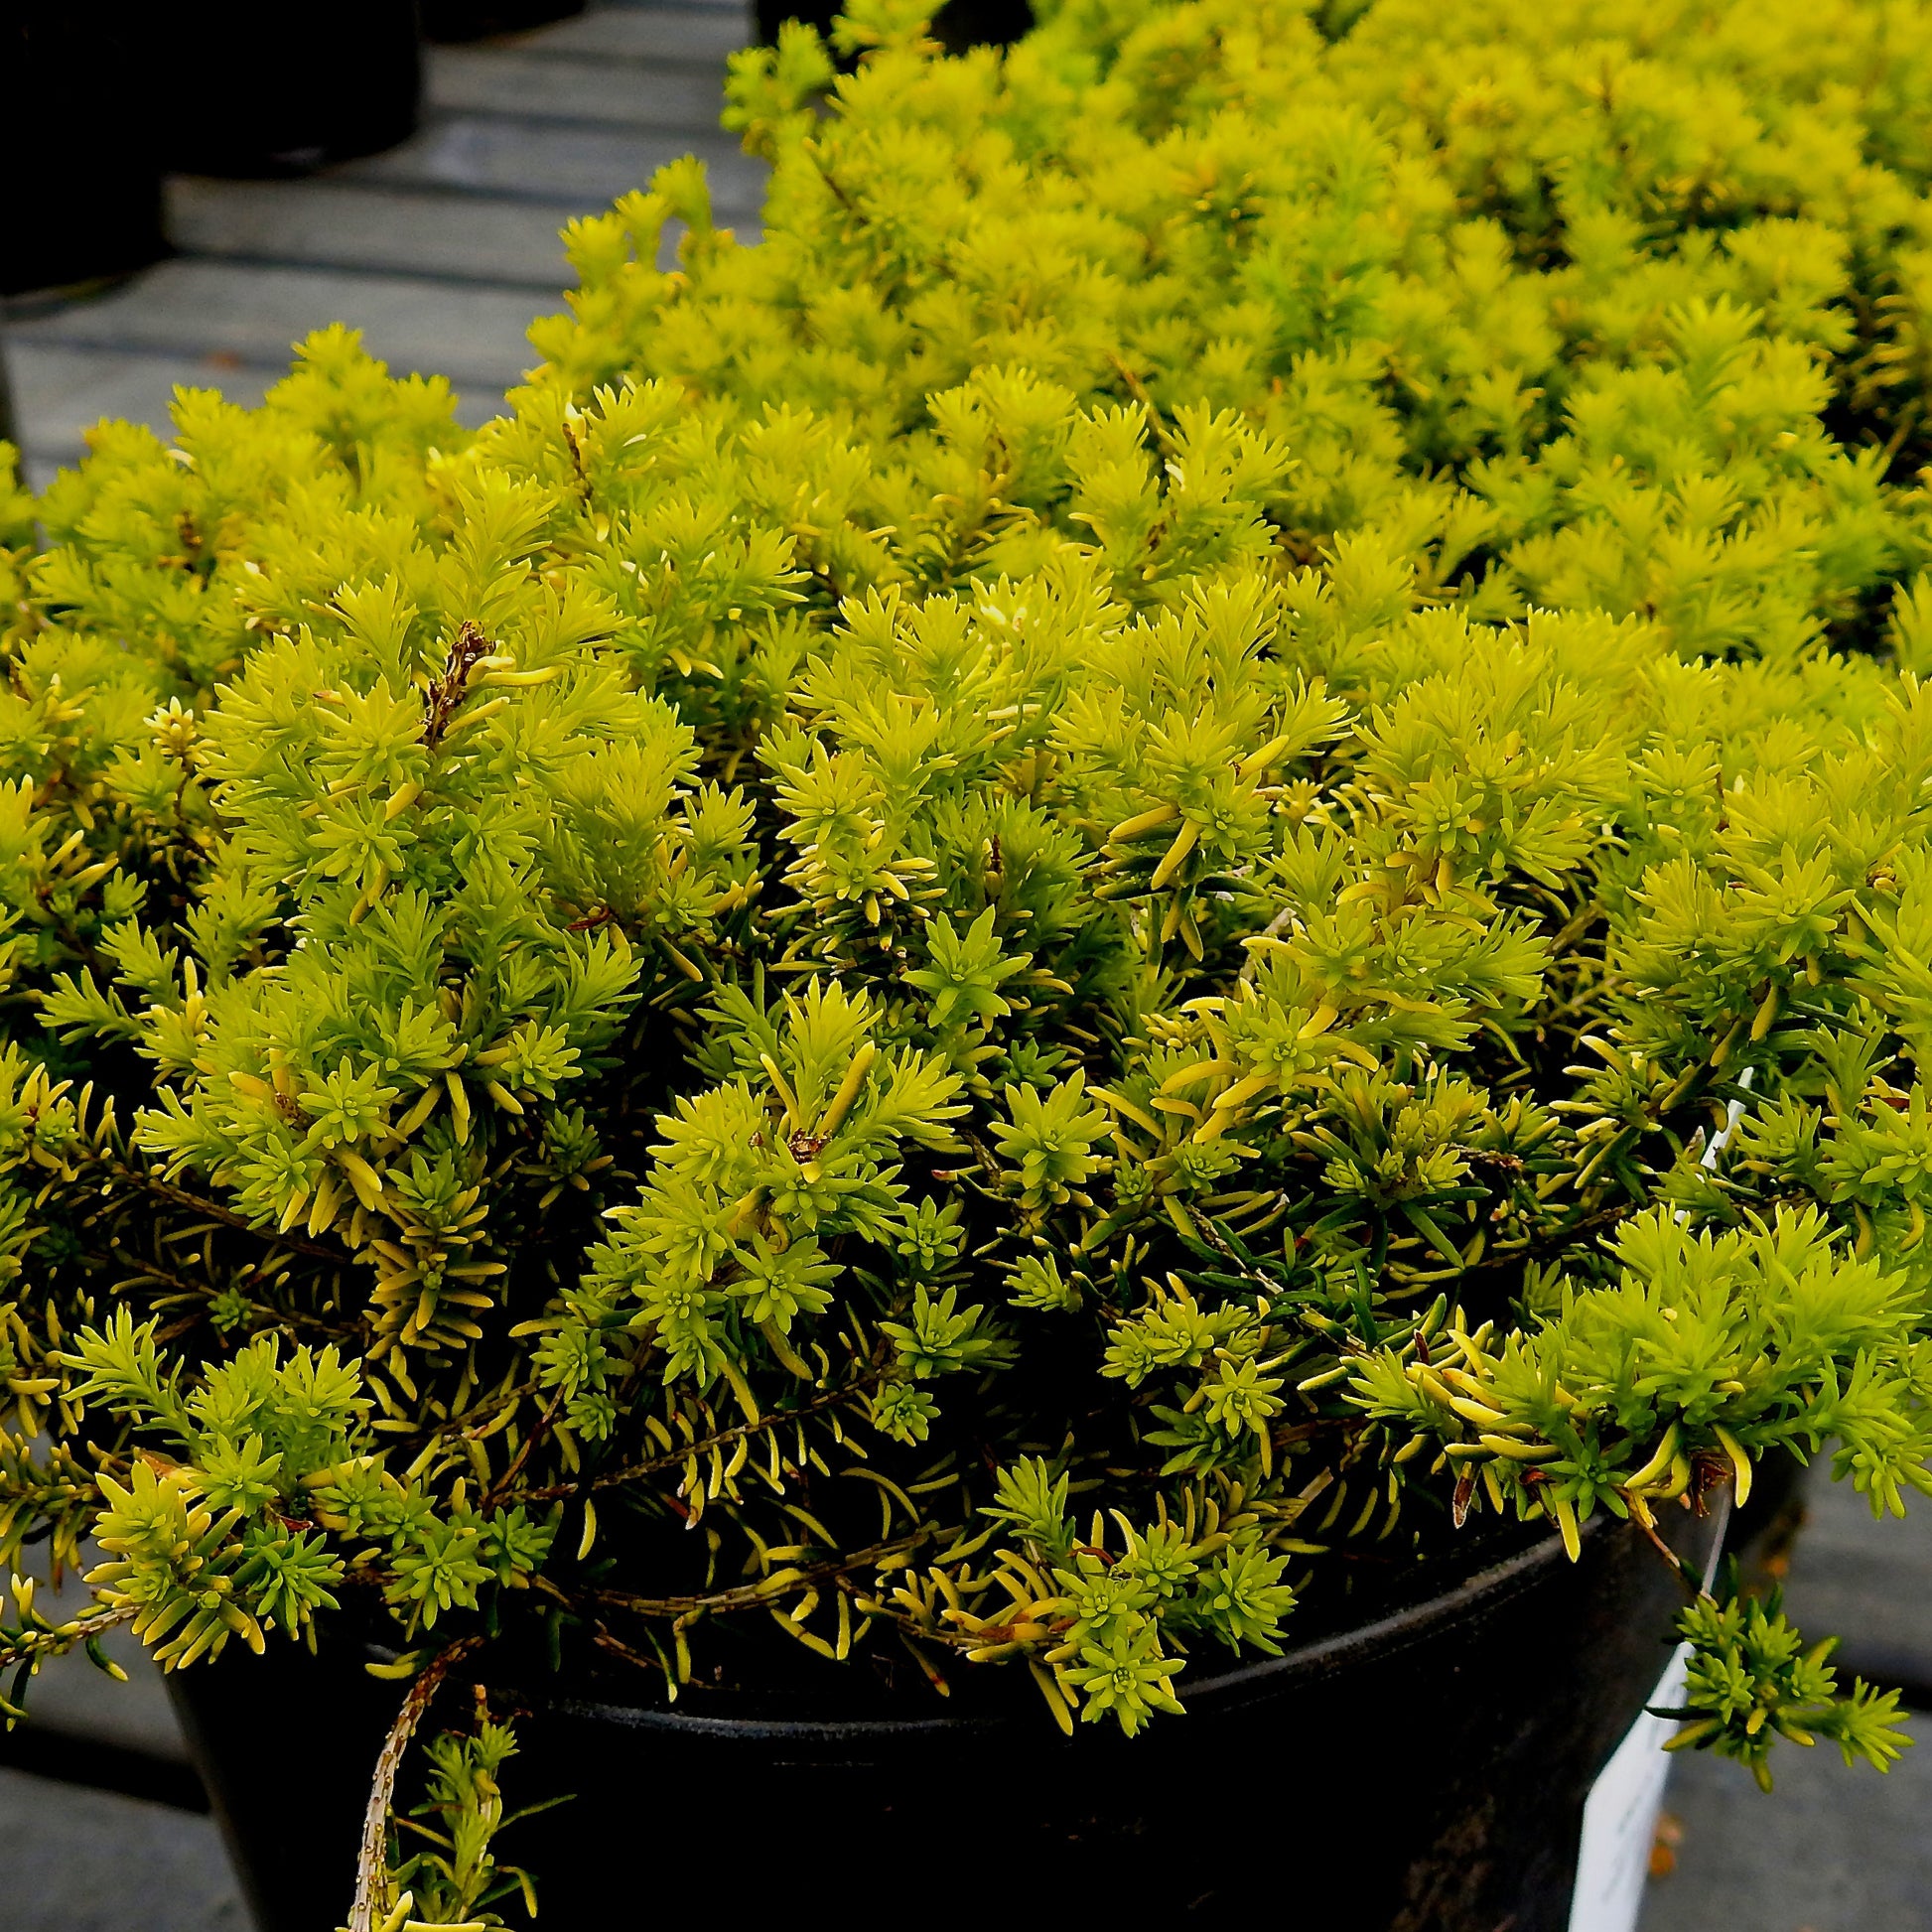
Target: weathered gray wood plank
<point x="475" y="337"/>
<point x="1832" y="1848"/>
<point x="73" y="1697"/>
<point x="582" y="87"/>
<point x="699" y="35"/>
<point x="1865" y="1579"/>
<point x="61" y="391"/>
<point x="347" y="224"/>
<point x="490" y="155"/>
<point x="1829" y="1849"/>
<point x="440" y="251"/>
<point x="78" y="1861"/>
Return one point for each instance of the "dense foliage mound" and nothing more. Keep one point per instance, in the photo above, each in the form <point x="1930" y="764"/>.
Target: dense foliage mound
<point x="1190" y="836"/>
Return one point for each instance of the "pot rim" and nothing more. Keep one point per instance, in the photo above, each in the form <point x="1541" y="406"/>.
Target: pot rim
<point x="1393" y="1630"/>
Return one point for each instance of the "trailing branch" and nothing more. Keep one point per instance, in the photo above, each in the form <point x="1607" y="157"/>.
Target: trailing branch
<point x="371" y="1860"/>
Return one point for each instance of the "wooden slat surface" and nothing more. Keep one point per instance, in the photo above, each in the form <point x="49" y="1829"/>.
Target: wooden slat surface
<point x="442" y="250"/>
<point x="693" y="36"/>
<point x="583" y="88"/>
<point x="80" y="1861"/>
<point x="253" y="314"/>
<point x="373" y="226"/>
<point x="497" y="154"/>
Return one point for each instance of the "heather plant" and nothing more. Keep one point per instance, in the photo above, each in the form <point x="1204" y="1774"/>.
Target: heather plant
<point x="1184" y="849"/>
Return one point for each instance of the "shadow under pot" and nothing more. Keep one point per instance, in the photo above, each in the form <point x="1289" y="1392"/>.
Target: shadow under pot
<point x="85" y="193"/>
<point x="1422" y="1768"/>
<point x="247" y="89"/>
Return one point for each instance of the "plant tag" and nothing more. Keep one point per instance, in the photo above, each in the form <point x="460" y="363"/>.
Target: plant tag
<point x="1620" y="1818"/>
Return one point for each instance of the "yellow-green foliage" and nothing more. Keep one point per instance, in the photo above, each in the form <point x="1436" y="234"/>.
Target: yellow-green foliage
<point x="1532" y="298"/>
<point x="1191" y="833"/>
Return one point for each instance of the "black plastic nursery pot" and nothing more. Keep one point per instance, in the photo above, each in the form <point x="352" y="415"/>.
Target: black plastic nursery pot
<point x="1424" y="1770"/>
<point x="274" y="91"/>
<point x="84" y="193"/>
<point x="476" y="20"/>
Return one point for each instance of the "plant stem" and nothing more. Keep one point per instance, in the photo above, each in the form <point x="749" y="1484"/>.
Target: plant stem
<point x="703" y="1445"/>
<point x="748" y="1596"/>
<point x="213" y="1210"/>
<point x="372" y="1863"/>
<point x="62" y="1637"/>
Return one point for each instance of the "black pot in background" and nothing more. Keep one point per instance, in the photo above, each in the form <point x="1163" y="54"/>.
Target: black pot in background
<point x="476" y="20"/>
<point x="1423" y="1772"/>
<point x="958" y="25"/>
<point x="84" y="188"/>
<point x="249" y="87"/>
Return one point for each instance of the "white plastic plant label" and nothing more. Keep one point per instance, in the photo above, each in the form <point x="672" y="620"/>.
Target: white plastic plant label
<point x="1620" y="1818"/>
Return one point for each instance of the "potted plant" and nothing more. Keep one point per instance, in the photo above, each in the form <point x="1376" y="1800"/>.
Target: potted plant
<point x="1042" y="1038"/>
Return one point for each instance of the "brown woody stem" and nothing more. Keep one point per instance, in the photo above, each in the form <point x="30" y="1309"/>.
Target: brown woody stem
<point x="372" y="1863"/>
